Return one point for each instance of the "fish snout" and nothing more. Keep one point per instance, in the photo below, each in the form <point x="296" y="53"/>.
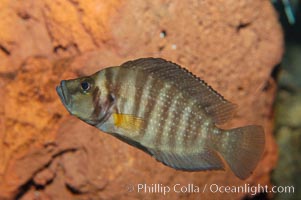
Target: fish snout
<point x="63" y="93"/>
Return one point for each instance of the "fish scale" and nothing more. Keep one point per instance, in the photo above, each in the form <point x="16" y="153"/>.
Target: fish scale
<point x="158" y="102"/>
<point x="171" y="122"/>
<point x="165" y="101"/>
<point x="166" y="111"/>
<point x="154" y="116"/>
<point x="144" y="97"/>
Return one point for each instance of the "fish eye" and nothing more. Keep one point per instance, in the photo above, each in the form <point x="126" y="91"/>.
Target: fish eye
<point x="85" y="86"/>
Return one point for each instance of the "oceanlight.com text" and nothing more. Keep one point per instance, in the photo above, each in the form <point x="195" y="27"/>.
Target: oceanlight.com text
<point x="254" y="189"/>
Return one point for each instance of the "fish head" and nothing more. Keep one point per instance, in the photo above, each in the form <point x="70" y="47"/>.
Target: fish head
<point x="87" y="98"/>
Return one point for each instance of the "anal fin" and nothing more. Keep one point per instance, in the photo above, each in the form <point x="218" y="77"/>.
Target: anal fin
<point x="207" y="159"/>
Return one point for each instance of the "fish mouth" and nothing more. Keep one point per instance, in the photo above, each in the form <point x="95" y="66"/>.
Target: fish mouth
<point x="62" y="92"/>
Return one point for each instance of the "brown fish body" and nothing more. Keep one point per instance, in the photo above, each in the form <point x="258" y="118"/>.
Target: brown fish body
<point x="169" y="113"/>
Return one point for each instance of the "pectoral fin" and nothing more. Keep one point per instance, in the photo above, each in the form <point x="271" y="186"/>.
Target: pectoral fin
<point x="128" y="122"/>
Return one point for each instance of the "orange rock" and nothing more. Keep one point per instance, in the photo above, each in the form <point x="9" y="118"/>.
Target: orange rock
<point x="45" y="152"/>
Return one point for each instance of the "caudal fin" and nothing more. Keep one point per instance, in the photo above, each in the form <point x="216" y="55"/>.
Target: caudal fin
<point x="242" y="148"/>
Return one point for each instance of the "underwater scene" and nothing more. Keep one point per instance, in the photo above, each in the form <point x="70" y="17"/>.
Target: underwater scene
<point x="154" y="99"/>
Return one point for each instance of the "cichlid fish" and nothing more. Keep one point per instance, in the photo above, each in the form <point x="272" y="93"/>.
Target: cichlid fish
<point x="166" y="111"/>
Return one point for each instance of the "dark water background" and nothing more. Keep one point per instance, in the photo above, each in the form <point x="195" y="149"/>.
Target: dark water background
<point x="288" y="102"/>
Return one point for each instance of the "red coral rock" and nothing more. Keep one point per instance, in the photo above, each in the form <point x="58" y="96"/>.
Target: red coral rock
<point x="232" y="45"/>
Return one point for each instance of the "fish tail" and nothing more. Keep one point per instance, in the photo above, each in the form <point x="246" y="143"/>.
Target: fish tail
<point x="242" y="148"/>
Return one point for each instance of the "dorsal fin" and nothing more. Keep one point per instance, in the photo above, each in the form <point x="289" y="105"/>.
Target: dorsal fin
<point x="214" y="104"/>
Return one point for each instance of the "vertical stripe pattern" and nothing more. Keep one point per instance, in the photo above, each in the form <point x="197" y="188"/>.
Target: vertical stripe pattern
<point x="154" y="111"/>
<point x="173" y="122"/>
